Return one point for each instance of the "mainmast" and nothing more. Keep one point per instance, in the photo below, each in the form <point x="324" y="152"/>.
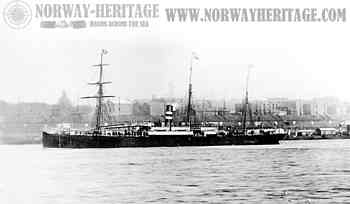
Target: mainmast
<point x="189" y="105"/>
<point x="246" y="102"/>
<point x="100" y="95"/>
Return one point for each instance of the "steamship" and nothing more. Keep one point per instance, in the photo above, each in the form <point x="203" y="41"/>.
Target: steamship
<point x="146" y="135"/>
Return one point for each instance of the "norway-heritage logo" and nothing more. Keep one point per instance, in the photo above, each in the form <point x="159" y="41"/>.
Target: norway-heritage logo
<point x="17" y="14"/>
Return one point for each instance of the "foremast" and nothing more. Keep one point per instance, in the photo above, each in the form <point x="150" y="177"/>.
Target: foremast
<point x="100" y="94"/>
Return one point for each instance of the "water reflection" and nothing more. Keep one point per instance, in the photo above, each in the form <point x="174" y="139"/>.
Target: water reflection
<point x="293" y="172"/>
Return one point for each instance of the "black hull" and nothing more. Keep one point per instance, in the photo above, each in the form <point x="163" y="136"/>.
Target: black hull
<point x="83" y="141"/>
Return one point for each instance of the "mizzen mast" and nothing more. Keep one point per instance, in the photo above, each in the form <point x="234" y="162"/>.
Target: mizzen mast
<point x="246" y="102"/>
<point x="99" y="95"/>
<point x="189" y="105"/>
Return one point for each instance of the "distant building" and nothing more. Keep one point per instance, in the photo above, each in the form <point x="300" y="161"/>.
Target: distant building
<point x="283" y="106"/>
<point x="64" y="101"/>
<point x="157" y="107"/>
<point x="306" y="109"/>
<point x="141" y="109"/>
<point x="123" y="107"/>
<point x="262" y="107"/>
<point x="326" y="106"/>
<point x="318" y="108"/>
<point x="238" y="108"/>
<point x="292" y="107"/>
<point x="346" y="108"/>
<point x="299" y="106"/>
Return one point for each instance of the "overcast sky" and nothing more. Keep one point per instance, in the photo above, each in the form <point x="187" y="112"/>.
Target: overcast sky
<point x="295" y="60"/>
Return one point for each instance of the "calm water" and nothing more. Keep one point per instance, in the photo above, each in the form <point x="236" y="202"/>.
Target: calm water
<point x="293" y="172"/>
